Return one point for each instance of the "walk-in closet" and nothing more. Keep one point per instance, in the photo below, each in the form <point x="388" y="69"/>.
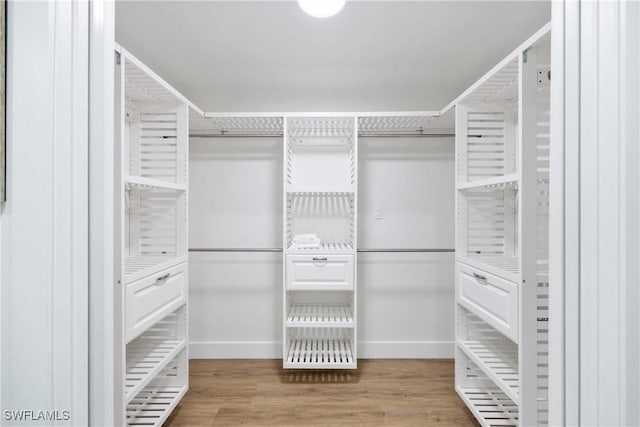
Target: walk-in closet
<point x="320" y="213"/>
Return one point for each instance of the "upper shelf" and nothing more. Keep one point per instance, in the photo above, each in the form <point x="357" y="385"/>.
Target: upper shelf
<point x="143" y="85"/>
<point x="502" y="86"/>
<point x="238" y="126"/>
<point x="409" y="124"/>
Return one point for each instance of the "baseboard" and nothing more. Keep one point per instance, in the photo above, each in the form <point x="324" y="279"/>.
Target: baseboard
<point x="366" y="350"/>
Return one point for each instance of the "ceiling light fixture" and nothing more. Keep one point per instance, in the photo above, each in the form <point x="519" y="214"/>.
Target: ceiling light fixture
<point x="321" y="8"/>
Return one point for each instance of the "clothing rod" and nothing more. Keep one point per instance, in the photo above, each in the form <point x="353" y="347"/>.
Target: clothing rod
<point x="280" y="250"/>
<point x="394" y="135"/>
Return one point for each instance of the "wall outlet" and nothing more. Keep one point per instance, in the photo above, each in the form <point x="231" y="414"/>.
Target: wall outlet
<point x="380" y="213"/>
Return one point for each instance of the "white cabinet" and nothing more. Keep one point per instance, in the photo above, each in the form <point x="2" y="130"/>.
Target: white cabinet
<point x="502" y="200"/>
<point x="320" y="286"/>
<point x="152" y="132"/>
<point x="320" y="272"/>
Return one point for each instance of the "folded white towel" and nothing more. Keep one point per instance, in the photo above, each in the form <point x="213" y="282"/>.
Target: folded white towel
<point x="306" y="245"/>
<point x="307" y="238"/>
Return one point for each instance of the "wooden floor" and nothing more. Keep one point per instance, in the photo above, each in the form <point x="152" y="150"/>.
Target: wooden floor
<point x="380" y="392"/>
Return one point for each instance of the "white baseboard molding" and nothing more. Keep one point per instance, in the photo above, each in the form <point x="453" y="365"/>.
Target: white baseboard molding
<point x="366" y="350"/>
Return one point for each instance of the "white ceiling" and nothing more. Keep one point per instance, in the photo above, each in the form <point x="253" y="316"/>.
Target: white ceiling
<point x="252" y="56"/>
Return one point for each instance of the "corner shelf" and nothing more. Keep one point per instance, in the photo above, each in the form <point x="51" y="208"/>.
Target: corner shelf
<point x="145" y="359"/>
<point x="491" y="407"/>
<point x="320" y="315"/>
<point x="149" y="183"/>
<point x="503" y="181"/>
<point x="499" y="361"/>
<point x="152" y="406"/>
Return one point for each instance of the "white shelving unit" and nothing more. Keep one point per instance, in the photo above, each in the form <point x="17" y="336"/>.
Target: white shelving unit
<point x="152" y="131"/>
<point x="502" y="199"/>
<point x="320" y="196"/>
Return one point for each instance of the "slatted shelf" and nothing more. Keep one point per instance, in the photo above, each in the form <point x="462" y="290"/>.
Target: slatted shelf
<point x="506" y="267"/>
<point x="152" y="406"/>
<point x="320" y="353"/>
<point x="137" y="267"/>
<point x="211" y="125"/>
<point x="145" y="359"/>
<point x="502" y="181"/>
<point x="320" y="315"/>
<point x="334" y="248"/>
<point x="410" y="124"/>
<point x="329" y="193"/>
<point x="502" y="86"/>
<point x="491" y="406"/>
<point x="138" y="182"/>
<point x="498" y="359"/>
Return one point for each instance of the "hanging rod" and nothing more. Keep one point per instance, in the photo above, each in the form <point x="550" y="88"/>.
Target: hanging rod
<point x="390" y="135"/>
<point x="408" y="250"/>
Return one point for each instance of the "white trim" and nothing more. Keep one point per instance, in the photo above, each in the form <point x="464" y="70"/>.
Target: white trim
<point x="366" y="350"/>
<point x="101" y="202"/>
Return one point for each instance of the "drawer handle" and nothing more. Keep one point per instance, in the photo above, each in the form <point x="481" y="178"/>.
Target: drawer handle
<point x="479" y="277"/>
<point x="320" y="258"/>
<point x="162" y="278"/>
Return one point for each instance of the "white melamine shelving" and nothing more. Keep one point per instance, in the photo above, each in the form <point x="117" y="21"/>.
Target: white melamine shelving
<point x="320" y="315"/>
<point x="152" y="406"/>
<point x="320" y="287"/>
<point x="502" y="207"/>
<point x="152" y="131"/>
<point x="319" y="348"/>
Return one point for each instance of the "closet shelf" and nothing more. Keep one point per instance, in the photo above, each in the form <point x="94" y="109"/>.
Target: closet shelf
<point x="315" y="192"/>
<point x="320" y="315"/>
<point x="503" y="181"/>
<point x="505" y="267"/>
<point x="320" y="353"/>
<point x="334" y="248"/>
<point x="138" y="182"/>
<point x="137" y="267"/>
<point x="145" y="359"/>
<point x="490" y="406"/>
<point x="498" y="359"/>
<point x="152" y="406"/>
<point x="501" y="86"/>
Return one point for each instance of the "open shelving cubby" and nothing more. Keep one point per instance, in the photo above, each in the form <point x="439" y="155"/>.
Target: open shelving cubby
<point x="502" y="246"/>
<point x="152" y="132"/>
<point x="320" y="198"/>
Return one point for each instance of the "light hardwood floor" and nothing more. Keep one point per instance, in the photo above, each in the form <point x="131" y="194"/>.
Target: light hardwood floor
<point x="380" y="392"/>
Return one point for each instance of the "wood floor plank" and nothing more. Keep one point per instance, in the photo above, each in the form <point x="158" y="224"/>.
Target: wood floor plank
<point x="380" y="392"/>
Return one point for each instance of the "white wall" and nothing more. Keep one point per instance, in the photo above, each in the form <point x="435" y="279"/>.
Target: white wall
<point x="405" y="300"/>
<point x="45" y="219"/>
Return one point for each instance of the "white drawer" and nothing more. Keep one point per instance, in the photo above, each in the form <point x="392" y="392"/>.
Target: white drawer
<point x="320" y="272"/>
<point x="150" y="299"/>
<point x="493" y="299"/>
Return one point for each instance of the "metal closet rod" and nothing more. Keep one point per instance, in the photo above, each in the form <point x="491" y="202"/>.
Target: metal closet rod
<point x="390" y="135"/>
<point x="438" y="250"/>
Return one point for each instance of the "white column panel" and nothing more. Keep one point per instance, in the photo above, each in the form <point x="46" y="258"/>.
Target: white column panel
<point x="45" y="219"/>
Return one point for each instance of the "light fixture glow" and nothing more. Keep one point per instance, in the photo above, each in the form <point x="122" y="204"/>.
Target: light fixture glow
<point x="322" y="8"/>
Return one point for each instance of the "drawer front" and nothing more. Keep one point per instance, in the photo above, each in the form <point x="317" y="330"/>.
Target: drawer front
<point x="493" y="299"/>
<point x="320" y="272"/>
<point x="150" y="299"/>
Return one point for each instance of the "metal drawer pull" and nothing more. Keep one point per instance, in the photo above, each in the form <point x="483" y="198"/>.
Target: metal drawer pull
<point x="319" y="259"/>
<point x="479" y="277"/>
<point x="163" y="278"/>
